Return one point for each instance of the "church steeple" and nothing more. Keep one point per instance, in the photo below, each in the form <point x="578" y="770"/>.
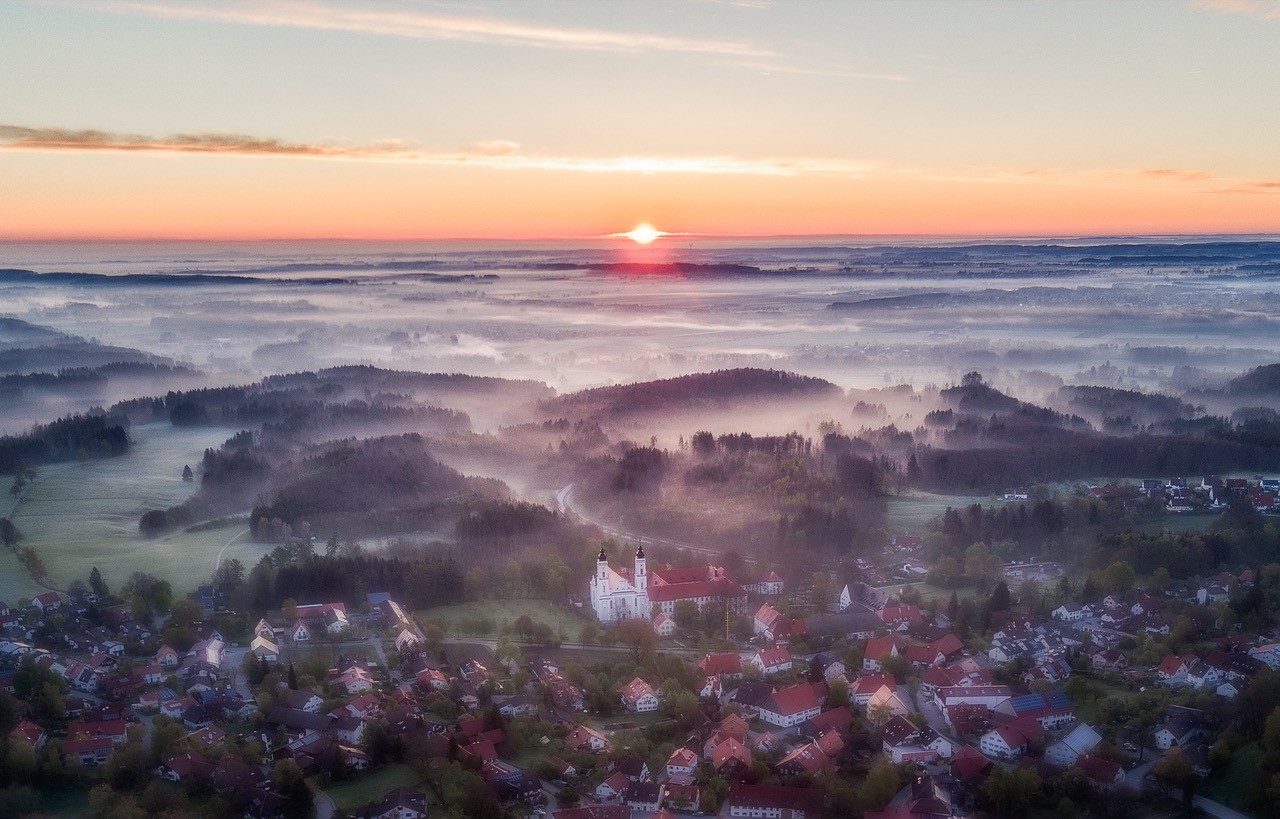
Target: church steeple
<point x="603" y="558"/>
<point x="642" y="578"/>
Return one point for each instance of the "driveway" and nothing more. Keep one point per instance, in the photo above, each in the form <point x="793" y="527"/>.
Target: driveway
<point x="933" y="715"/>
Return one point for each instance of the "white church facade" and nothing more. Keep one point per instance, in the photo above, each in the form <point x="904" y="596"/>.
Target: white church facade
<point x="622" y="595"/>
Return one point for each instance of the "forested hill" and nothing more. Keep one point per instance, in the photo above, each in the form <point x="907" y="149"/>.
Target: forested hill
<point x="720" y="388"/>
<point x="1260" y="380"/>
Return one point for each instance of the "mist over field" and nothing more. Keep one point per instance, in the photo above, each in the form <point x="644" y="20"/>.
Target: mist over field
<point x="1033" y="317"/>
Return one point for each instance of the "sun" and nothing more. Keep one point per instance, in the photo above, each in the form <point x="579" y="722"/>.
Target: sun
<point x="643" y="233"/>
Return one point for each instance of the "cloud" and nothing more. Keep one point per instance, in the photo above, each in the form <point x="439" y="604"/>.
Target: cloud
<point x="494" y="154"/>
<point x="15" y="137"/>
<point x="415" y="24"/>
<point x="766" y="67"/>
<point x="494" y="147"/>
<point x="1266" y="9"/>
<point x="1260" y="186"/>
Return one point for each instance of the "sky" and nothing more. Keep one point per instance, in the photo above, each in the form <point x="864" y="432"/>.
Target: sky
<point x="372" y="119"/>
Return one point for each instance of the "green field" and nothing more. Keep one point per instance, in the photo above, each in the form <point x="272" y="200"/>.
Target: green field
<point x="84" y="514"/>
<point x="503" y="613"/>
<point x="349" y="796"/>
<point x="913" y="512"/>
<point x="1231" y="785"/>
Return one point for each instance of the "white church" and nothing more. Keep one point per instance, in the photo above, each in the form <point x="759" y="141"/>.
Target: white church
<point x="622" y="595"/>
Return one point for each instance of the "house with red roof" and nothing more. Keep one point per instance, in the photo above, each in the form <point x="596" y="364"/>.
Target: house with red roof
<point x="774" y="802"/>
<point x="769" y="622"/>
<point x="29" y="733"/>
<point x="93" y="751"/>
<point x="613" y="788"/>
<point x="790" y="706"/>
<point x="805" y="759"/>
<point x="772" y="661"/>
<point x="868" y="685"/>
<point x="1103" y="774"/>
<point x="638" y="696"/>
<point x="682" y="762"/>
<point x="726" y="665"/>
<point x="730" y="758"/>
<point x="878" y="648"/>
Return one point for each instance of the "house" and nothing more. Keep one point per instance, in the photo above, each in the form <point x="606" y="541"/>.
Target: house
<point x="47" y="601"/>
<point x="635" y="769"/>
<point x="300" y="633"/>
<point x="87" y="751"/>
<point x="987" y="695"/>
<point x="400" y="803"/>
<point x="584" y="738"/>
<point x="1172" y="666"/>
<point x="711" y="688"/>
<point x="521" y="705"/>
<point x="727" y="666"/>
<point x="1052" y="709"/>
<point x="877" y="649"/>
<point x="902" y="742"/>
<point x="769" y="622"/>
<point x="1079" y="741"/>
<point x="682" y="762"/>
<point x="664" y="625"/>
<point x="304" y="699"/>
<point x="790" y="706"/>
<point x="1004" y="742"/>
<point x="1212" y="593"/>
<point x="613" y="788"/>
<point x="638" y="696"/>
<point x="870" y="685"/>
<point x="968" y="765"/>
<point x="1071" y="612"/>
<point x="1181" y="727"/>
<point x="1268" y="653"/>
<point x="1103" y="774"/>
<point x="595" y="812"/>
<point x="355" y="680"/>
<point x="30" y="734"/>
<point x="643" y="796"/>
<point x="264" y="649"/>
<point x="406" y="641"/>
<point x="887" y="701"/>
<point x="730" y="758"/>
<point x="774" y="802"/>
<point x="805" y="759"/>
<point x="189" y="769"/>
<point x="772" y="661"/>
<point x="167" y="656"/>
<point x="114" y="730"/>
<point x="828" y="666"/>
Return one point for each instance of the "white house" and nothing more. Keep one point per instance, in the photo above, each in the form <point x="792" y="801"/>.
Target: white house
<point x="1003" y="743"/>
<point x="663" y="625"/>
<point x="1079" y="741"/>
<point x="638" y="696"/>
<point x="772" y="660"/>
<point x="1071" y="612"/>
<point x="264" y="649"/>
<point x="790" y="706"/>
<point x="300" y="633"/>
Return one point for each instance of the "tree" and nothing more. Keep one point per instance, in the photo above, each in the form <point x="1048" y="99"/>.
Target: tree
<point x="293" y="677"/>
<point x="1010" y="790"/>
<point x="686" y="614"/>
<point x="96" y="583"/>
<point x="1120" y="576"/>
<point x="9" y="533"/>
<point x="290" y="783"/>
<point x="881" y="784"/>
<point x="999" y="600"/>
<point x="638" y="636"/>
<point x="945" y="572"/>
<point x="822" y="592"/>
<point x="187" y="474"/>
<point x="838" y="693"/>
<point x="1175" y="771"/>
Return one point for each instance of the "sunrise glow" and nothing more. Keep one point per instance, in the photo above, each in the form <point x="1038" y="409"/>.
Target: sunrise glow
<point x="643" y="233"/>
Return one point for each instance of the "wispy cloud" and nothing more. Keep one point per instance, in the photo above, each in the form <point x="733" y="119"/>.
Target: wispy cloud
<point x="364" y="19"/>
<point x="494" y="154"/>
<point x="769" y="67"/>
<point x="19" y="138"/>
<point x="1266" y="9"/>
<point x="1259" y="186"/>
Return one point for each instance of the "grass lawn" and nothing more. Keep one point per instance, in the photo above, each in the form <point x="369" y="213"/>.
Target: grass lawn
<point x="68" y="801"/>
<point x="504" y="613"/>
<point x="15" y="581"/>
<point x="79" y="515"/>
<point x="1232" y="784"/>
<point x="351" y="795"/>
<point x="1087" y="711"/>
<point x="930" y="592"/>
<point x="913" y="512"/>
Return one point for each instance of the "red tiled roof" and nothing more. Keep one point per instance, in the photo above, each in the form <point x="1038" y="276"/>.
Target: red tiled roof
<point x="727" y="663"/>
<point x="1098" y="769"/>
<point x="722" y="587"/>
<point x="793" y="700"/>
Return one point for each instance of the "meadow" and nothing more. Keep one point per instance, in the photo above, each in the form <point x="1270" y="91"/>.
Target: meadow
<point x="912" y="512"/>
<point x="503" y="613"/>
<point x="84" y="514"/>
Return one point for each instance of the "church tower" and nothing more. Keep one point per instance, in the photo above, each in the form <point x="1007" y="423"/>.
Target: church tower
<point x="602" y="570"/>
<point x="642" y="577"/>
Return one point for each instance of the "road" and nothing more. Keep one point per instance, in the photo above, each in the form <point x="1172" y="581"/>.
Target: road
<point x="933" y="715"/>
<point x="324" y="805"/>
<point x="492" y="644"/>
<point x="217" y="560"/>
<point x="564" y="504"/>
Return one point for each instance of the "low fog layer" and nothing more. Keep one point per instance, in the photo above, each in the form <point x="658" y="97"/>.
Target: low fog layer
<point x="1033" y="318"/>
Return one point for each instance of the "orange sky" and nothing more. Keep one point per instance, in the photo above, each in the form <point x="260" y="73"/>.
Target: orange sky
<point x="560" y="120"/>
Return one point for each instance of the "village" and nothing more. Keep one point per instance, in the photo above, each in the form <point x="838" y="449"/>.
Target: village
<point x="704" y="693"/>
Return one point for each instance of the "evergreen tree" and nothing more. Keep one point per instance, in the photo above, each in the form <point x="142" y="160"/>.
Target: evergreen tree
<point x="187" y="474"/>
<point x="265" y="669"/>
<point x="96" y="583"/>
<point x="293" y="677"/>
<point x="953" y="606"/>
